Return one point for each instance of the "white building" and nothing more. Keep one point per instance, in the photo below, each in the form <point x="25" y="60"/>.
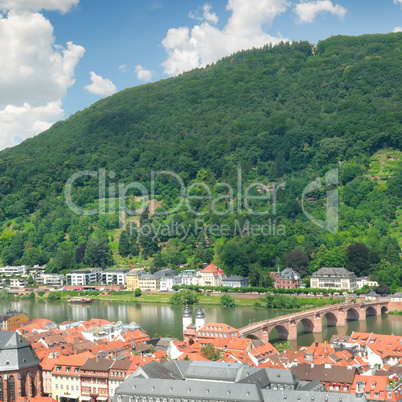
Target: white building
<point x="333" y="278"/>
<point x="188" y="277"/>
<point x="396" y="297"/>
<point x="149" y="282"/>
<point x="84" y="277"/>
<point x="117" y="374"/>
<point x="115" y="276"/>
<point x="235" y="281"/>
<point x="52" y="280"/>
<point x="17" y="283"/>
<point x="167" y="283"/>
<point x="211" y="276"/>
<point x="366" y="281"/>
<point x="167" y="278"/>
<point x="372" y="296"/>
<point x="10" y="270"/>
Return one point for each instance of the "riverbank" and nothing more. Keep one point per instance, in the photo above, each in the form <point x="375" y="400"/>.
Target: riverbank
<point x="164" y="298"/>
<point x="258" y="301"/>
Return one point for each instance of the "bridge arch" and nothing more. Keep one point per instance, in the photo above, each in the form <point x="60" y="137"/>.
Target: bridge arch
<point x="332" y="319"/>
<point x="281" y="330"/>
<point x="352" y="314"/>
<point x="253" y="336"/>
<point x="308" y="325"/>
<point x="286" y="327"/>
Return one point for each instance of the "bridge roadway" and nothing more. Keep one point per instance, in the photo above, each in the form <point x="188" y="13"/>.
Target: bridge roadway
<point x="336" y="315"/>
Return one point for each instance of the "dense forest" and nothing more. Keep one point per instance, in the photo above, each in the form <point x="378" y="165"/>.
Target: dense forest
<point x="279" y="116"/>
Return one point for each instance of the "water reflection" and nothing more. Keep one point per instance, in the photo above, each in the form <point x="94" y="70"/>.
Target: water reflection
<point x="164" y="319"/>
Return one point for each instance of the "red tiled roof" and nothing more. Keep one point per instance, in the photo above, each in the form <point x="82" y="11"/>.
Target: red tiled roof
<point x="263" y="351"/>
<point x="211" y="268"/>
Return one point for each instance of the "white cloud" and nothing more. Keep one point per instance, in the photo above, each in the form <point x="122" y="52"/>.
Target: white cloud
<point x="203" y="44"/>
<point x="37" y="5"/>
<point x="397" y="29"/>
<point x="142" y="74"/>
<point x="34" y="77"/>
<point x="123" y="68"/>
<point x="35" y="70"/>
<point x="100" y="86"/>
<point x="207" y="15"/>
<point x="307" y="11"/>
<point x="156" y="5"/>
<point x="398" y="2"/>
<point x="18" y="123"/>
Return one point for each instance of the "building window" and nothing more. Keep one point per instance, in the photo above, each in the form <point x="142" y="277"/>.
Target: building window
<point x="1" y="388"/>
<point x="11" y="389"/>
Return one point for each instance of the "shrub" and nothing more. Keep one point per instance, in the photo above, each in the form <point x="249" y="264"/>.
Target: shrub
<point x="227" y="301"/>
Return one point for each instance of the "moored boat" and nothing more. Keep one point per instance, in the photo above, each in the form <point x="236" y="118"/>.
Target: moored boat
<point x="80" y="300"/>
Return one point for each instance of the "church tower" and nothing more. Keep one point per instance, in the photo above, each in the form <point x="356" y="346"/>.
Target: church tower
<point x="199" y="319"/>
<point x="187" y="318"/>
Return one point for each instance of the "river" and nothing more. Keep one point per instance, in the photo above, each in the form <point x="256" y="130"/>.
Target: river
<point x="164" y="319"/>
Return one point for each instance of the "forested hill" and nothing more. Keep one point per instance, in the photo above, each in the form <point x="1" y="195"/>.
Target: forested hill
<point x="253" y="107"/>
<point x="280" y="113"/>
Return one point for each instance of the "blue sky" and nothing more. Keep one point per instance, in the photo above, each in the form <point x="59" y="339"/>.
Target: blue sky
<point x="60" y="56"/>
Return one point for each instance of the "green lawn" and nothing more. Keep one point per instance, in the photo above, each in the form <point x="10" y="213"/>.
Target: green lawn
<point x="204" y="299"/>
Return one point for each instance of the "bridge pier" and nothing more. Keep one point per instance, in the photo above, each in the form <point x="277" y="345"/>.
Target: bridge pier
<point x="362" y="313"/>
<point x="264" y="335"/>
<point x="317" y="323"/>
<point x="292" y="330"/>
<point x="341" y="317"/>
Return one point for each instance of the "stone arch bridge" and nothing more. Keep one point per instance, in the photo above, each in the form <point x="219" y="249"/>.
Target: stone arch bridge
<point x="336" y="315"/>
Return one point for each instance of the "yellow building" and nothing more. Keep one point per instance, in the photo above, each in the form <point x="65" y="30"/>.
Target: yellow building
<point x="13" y="319"/>
<point x="133" y="279"/>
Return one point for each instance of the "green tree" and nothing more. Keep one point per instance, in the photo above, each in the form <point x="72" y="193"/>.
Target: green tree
<point x="210" y="353"/>
<point x="392" y="254"/>
<point x="98" y="252"/>
<point x="137" y="292"/>
<point x="124" y="244"/>
<point x="4" y="295"/>
<point x="357" y="259"/>
<point x="147" y="237"/>
<point x="184" y="296"/>
<point x="31" y="280"/>
<point x="299" y="261"/>
<point x="54" y="296"/>
<point x="280" y="347"/>
<point x="227" y="301"/>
